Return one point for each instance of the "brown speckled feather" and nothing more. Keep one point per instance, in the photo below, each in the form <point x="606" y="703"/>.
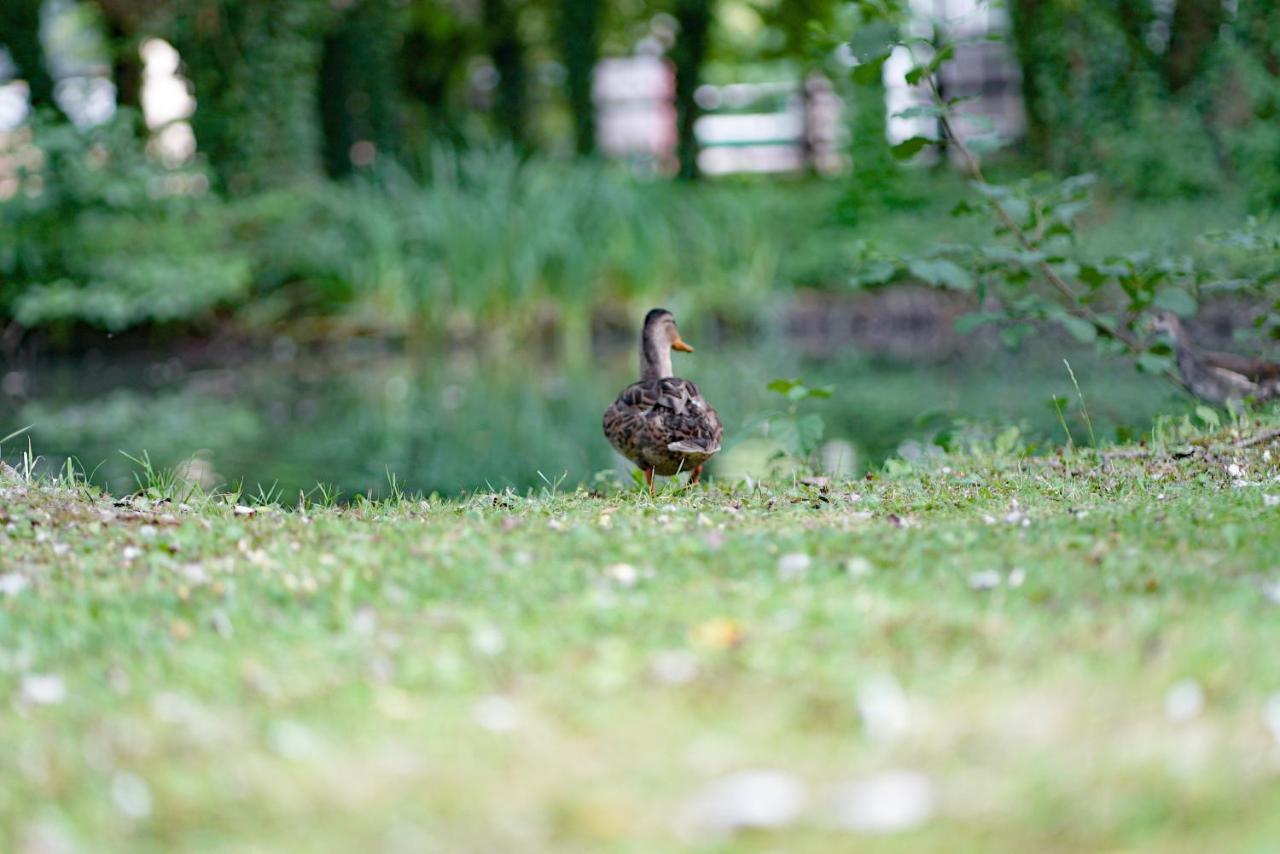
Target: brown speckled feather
<point x="663" y="424"/>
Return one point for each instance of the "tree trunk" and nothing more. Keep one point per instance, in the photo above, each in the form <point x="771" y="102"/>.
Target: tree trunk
<point x="1191" y="36"/>
<point x="690" y="52"/>
<point x="507" y="50"/>
<point x="255" y="68"/>
<point x="580" y="49"/>
<point x="358" y="87"/>
<point x="1025" y="20"/>
<point x="20" y="33"/>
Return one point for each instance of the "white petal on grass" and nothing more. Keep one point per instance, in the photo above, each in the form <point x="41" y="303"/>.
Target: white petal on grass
<point x="858" y="567"/>
<point x="497" y="714"/>
<point x="1271" y="500"/>
<point x="130" y="553"/>
<point x="757" y="800"/>
<point x="1184" y="702"/>
<point x="1017" y="577"/>
<point x="622" y="574"/>
<point x="1271" y="716"/>
<point x="884" y="709"/>
<point x="12" y="583"/>
<point x="793" y="565"/>
<point x="888" y="802"/>
<point x="131" y="795"/>
<point x="674" y="667"/>
<point x="984" y="580"/>
<point x="43" y="689"/>
<point x="292" y="740"/>
<point x="488" y="640"/>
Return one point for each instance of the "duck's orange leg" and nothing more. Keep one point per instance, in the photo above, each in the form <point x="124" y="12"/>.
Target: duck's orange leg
<point x="648" y="478"/>
<point x="696" y="476"/>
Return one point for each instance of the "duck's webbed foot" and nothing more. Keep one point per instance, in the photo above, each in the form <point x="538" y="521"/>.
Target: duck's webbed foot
<point x="696" y="476"/>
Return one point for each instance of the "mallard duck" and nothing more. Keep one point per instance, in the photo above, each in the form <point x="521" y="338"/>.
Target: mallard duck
<point x="1217" y="377"/>
<point x="662" y="423"/>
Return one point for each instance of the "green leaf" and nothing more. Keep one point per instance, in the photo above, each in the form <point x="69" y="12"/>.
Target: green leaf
<point x="1209" y="417"/>
<point x="870" y="70"/>
<point x="940" y="272"/>
<point x="909" y="148"/>
<point x="1012" y="336"/>
<point x="1151" y="363"/>
<point x="966" y="323"/>
<point x="1178" y="301"/>
<point x="876" y="273"/>
<point x="918" y="111"/>
<point x="783" y="386"/>
<point x="915" y="74"/>
<point x="1080" y="329"/>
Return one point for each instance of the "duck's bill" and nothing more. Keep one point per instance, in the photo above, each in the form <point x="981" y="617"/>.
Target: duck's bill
<point x="679" y="344"/>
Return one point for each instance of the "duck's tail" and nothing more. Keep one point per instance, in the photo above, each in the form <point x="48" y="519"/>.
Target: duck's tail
<point x="691" y="446"/>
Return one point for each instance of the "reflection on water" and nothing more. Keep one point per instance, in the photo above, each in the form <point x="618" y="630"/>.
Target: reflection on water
<point x="455" y="422"/>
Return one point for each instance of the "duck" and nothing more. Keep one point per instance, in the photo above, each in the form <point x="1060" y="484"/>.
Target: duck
<point x="1217" y="378"/>
<point x="662" y="423"/>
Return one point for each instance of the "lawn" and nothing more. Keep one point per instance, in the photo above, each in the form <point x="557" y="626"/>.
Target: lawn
<point x="979" y="652"/>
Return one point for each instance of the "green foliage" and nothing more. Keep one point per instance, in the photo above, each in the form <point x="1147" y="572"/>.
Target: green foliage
<point x="97" y="232"/>
<point x="255" y="69"/>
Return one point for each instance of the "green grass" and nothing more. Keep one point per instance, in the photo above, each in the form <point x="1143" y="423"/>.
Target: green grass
<point x="480" y="675"/>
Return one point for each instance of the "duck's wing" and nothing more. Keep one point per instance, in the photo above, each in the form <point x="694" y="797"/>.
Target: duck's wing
<point x="694" y="426"/>
<point x="669" y="413"/>
<point x="1254" y="370"/>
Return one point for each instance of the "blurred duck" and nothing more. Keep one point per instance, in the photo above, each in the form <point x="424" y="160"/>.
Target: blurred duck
<point x="662" y="423"/>
<point x="1217" y="377"/>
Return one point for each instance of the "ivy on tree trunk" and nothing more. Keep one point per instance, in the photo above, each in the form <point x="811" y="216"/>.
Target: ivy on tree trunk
<point x="580" y="48"/>
<point x="693" y="18"/>
<point x="255" y="68"/>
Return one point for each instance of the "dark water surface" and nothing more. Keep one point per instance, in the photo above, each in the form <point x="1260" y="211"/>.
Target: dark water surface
<point x="456" y="421"/>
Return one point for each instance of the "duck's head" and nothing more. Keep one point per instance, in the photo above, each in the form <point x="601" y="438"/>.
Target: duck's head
<point x="1165" y="323"/>
<point x="659" y="337"/>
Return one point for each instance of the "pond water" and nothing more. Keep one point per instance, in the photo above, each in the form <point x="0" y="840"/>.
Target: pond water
<point x="451" y="422"/>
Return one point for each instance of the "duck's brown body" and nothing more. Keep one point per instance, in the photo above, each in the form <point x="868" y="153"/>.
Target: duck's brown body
<point x="662" y="423"/>
<point x="1219" y="377"/>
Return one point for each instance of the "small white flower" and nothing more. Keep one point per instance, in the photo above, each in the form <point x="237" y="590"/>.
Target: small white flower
<point x="1234" y="470"/>
<point x="987" y="579"/>
<point x="12" y="583"/>
<point x="1271" y="501"/>
<point x="857" y="567"/>
<point x="883" y="707"/>
<point x="1017" y="576"/>
<point x="131" y="795"/>
<point x="793" y="565"/>
<point x="674" y="667"/>
<point x="130" y="553"/>
<point x="497" y="714"/>
<point x="758" y="800"/>
<point x="43" y="690"/>
<point x="622" y="574"/>
<point x="1184" y="702"/>
<point x="888" y="802"/>
<point x="1271" y="716"/>
<point x="488" y="640"/>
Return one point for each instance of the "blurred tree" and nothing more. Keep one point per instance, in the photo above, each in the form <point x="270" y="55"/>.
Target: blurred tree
<point x="693" y="20"/>
<point x="437" y="42"/>
<point x="359" y="90"/>
<point x="20" y="33"/>
<point x="580" y="49"/>
<point x="501" y="20"/>
<point x="255" y="68"/>
<point x="1192" y="35"/>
